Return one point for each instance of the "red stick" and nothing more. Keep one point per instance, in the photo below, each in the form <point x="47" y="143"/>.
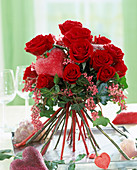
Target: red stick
<point x="65" y="130"/>
<point x="82" y="135"/>
<point x="25" y="140"/>
<point x="45" y="148"/>
<point x="74" y="126"/>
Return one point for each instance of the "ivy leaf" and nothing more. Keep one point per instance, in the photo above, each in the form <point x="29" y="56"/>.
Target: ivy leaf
<point x="123" y="82"/>
<point x="51" y="165"/>
<point x="59" y="161"/>
<point x="49" y="102"/>
<point x="77" y="89"/>
<point x="103" y="93"/>
<point x="56" y="79"/>
<point x="82" y="81"/>
<point x="46" y="113"/>
<point x="71" y="166"/>
<point x="4" y="156"/>
<point x="5" y="151"/>
<point x="101" y="121"/>
<point x="77" y="107"/>
<point x="57" y="89"/>
<point x="80" y="157"/>
<point x="18" y="156"/>
<point x="61" y="104"/>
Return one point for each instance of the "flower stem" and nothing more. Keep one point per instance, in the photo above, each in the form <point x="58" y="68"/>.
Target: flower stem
<point x="45" y="147"/>
<point x="86" y="148"/>
<point x="65" y="130"/>
<point x="60" y="135"/>
<point x="119" y="131"/>
<point x="89" y="134"/>
<point x="86" y="121"/>
<point x="124" y="154"/>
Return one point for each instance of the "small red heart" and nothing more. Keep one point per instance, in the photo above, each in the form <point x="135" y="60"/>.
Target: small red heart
<point x="51" y="65"/>
<point x="92" y="156"/>
<point x="32" y="160"/>
<point x="102" y="161"/>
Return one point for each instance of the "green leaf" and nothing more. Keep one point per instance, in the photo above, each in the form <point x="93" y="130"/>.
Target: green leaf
<point x="5" y="151"/>
<point x="71" y="166"/>
<point x="80" y="157"/>
<point x="123" y="82"/>
<point x="46" y="113"/>
<point x="18" y="156"/>
<point x="56" y="79"/>
<point x="31" y="94"/>
<point x="4" y="156"/>
<point x="101" y="121"/>
<point x="117" y="77"/>
<point x="77" y="89"/>
<point x="61" y="104"/>
<point x="99" y="113"/>
<point x="53" y="165"/>
<point x="59" y="161"/>
<point x="82" y="81"/>
<point x="103" y="93"/>
<point x="49" y="102"/>
<point x="77" y="107"/>
<point x="57" y="89"/>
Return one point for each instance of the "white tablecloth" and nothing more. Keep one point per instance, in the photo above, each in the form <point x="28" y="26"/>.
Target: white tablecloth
<point x="15" y="114"/>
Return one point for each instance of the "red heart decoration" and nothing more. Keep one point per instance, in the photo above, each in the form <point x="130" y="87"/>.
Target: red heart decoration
<point x="102" y="161"/>
<point x="32" y="160"/>
<point x="52" y="64"/>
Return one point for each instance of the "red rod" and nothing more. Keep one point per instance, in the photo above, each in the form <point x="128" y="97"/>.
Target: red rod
<point x="82" y="135"/>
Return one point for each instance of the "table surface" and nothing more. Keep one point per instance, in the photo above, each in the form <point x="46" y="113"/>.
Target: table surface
<point x="15" y="114"/>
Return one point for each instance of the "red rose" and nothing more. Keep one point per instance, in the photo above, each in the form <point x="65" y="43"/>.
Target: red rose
<point x="115" y="52"/>
<point x="40" y="44"/>
<point x="100" y="58"/>
<point x="45" y="80"/>
<point x="105" y="73"/>
<point x="71" y="73"/>
<point x="120" y="68"/>
<point x="76" y="33"/>
<point x="80" y="50"/>
<point x="67" y="25"/>
<point x="29" y="73"/>
<point x="101" y="40"/>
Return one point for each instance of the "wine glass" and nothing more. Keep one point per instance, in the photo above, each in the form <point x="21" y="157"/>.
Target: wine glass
<point x="7" y="92"/>
<point x="20" y="85"/>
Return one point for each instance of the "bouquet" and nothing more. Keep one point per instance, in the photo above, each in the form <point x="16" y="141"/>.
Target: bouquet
<point x="76" y="72"/>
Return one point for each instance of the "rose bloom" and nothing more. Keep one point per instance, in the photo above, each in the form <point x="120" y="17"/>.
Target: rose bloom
<point x="67" y="25"/>
<point x="76" y="33"/>
<point x="80" y="50"/>
<point x="101" y="40"/>
<point x="40" y="44"/>
<point x="29" y="73"/>
<point x="105" y="73"/>
<point x="100" y="58"/>
<point x="71" y="73"/>
<point x="45" y="80"/>
<point x="120" y="68"/>
<point x="115" y="52"/>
